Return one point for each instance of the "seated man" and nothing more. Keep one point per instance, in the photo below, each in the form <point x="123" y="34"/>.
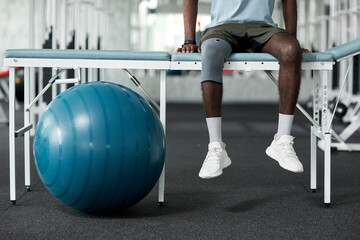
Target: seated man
<point x="246" y="26"/>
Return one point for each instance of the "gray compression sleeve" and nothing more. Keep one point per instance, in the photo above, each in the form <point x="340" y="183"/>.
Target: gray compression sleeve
<point x="214" y="52"/>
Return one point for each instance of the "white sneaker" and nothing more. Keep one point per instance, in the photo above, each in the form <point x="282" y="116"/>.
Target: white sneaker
<point x="216" y="160"/>
<point x="282" y="151"/>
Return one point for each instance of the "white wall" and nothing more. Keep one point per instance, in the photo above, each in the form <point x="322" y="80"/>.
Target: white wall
<point x="13" y="26"/>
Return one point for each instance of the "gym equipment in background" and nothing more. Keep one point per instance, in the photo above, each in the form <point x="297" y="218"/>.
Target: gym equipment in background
<point x="4" y="91"/>
<point x="323" y="25"/>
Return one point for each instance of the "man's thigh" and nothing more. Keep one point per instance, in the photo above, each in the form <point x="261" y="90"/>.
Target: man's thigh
<point x="281" y="44"/>
<point x="260" y="34"/>
<point x="225" y="32"/>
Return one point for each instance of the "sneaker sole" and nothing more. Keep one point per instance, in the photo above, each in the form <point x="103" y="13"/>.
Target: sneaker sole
<point x="271" y="154"/>
<point x="216" y="174"/>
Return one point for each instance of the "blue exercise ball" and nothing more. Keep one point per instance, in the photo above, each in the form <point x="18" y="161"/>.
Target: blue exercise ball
<point x="99" y="147"/>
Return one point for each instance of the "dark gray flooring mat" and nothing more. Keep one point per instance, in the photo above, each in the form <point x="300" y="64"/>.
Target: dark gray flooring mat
<point x="253" y="199"/>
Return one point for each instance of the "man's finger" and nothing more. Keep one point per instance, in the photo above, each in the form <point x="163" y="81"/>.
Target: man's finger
<point x="189" y="49"/>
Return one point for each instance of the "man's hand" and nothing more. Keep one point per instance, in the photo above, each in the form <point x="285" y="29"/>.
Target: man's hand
<point x="304" y="50"/>
<point x="189" y="48"/>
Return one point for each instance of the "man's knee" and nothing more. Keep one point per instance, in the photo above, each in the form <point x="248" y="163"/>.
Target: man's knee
<point x="290" y="52"/>
<point x="215" y="49"/>
<point x="214" y="52"/>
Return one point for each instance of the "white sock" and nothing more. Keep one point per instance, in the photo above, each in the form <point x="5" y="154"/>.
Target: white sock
<point x="214" y="128"/>
<point x="284" y="125"/>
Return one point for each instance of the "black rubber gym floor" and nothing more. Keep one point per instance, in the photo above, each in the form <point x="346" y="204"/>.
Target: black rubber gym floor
<point x="253" y="199"/>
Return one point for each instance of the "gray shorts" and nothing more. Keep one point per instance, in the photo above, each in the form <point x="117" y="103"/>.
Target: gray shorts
<point x="242" y="37"/>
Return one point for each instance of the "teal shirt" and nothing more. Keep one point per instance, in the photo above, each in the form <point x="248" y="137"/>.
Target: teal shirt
<point x="241" y="11"/>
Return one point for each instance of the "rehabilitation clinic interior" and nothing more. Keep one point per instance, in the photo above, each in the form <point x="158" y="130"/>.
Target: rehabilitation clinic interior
<point x="64" y="46"/>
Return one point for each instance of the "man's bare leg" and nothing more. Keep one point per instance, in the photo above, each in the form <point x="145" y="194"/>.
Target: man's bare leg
<point x="216" y="159"/>
<point x="212" y="97"/>
<point x="287" y="50"/>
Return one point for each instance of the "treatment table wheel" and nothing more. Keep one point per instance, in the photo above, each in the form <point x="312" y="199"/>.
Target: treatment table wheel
<point x="28" y="188"/>
<point x="13" y="202"/>
<point x="327" y="205"/>
<point x="313" y="190"/>
<point x="161" y="204"/>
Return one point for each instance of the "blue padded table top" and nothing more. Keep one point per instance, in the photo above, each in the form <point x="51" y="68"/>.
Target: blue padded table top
<point x="345" y="49"/>
<point x="252" y="57"/>
<point x="332" y="54"/>
<point x="86" y="54"/>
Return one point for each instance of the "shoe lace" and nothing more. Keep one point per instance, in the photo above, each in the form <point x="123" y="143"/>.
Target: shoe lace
<point x="213" y="155"/>
<point x="287" y="148"/>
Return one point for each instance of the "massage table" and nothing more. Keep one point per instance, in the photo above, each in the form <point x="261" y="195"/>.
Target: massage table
<point x="321" y="118"/>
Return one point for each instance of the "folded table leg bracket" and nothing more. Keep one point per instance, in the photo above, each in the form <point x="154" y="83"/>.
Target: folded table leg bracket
<point x="23" y="130"/>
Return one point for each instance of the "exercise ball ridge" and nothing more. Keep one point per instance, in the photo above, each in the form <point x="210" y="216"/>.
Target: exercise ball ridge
<point x="98" y="147"/>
